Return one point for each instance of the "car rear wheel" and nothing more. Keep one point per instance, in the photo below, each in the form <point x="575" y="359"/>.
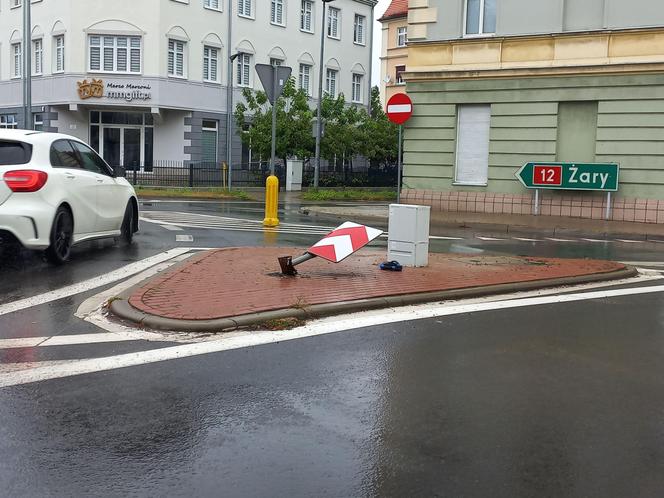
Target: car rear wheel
<point x="127" y="230"/>
<point x="62" y="234"/>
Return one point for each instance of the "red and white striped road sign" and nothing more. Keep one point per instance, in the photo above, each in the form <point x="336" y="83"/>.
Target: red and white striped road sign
<point x="399" y="108"/>
<point x="344" y="241"/>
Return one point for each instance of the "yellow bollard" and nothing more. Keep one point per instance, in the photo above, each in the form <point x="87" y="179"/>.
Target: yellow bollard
<point x="224" y="172"/>
<point x="271" y="201"/>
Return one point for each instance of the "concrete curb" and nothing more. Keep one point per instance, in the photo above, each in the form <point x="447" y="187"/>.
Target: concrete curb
<point x="122" y="308"/>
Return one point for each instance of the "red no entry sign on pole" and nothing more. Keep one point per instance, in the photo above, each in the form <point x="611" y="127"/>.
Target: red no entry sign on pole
<point x="344" y="241"/>
<point x="399" y="108"/>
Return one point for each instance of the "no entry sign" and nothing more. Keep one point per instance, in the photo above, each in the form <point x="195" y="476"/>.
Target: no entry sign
<point x="399" y="108"/>
<point x="344" y="241"/>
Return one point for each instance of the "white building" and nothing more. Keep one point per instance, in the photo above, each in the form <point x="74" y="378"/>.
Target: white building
<point x="146" y="80"/>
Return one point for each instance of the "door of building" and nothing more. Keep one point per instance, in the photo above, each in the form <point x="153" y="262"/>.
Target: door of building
<point x="122" y="146"/>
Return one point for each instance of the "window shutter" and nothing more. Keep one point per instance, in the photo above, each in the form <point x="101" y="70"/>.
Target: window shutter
<point x="472" y="157"/>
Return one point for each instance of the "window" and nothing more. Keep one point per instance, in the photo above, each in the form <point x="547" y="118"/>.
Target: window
<point x="16" y="3"/>
<point x="243" y="69"/>
<point x="210" y="64"/>
<point x="277" y="12"/>
<point x="115" y="54"/>
<point x="89" y="159"/>
<point x="472" y="152"/>
<point x="398" y="74"/>
<point x="211" y="4"/>
<point x="209" y="141"/>
<point x="333" y="22"/>
<point x="402" y="36"/>
<point x="304" y="78"/>
<point x="59" y="54"/>
<point x="14" y="153"/>
<point x="357" y="88"/>
<point x="331" y="82"/>
<point x="17" y="58"/>
<point x="275" y="62"/>
<point x="8" y="121"/>
<point x="358" y="31"/>
<point x="306" y="13"/>
<point x="244" y="8"/>
<point x="480" y="17"/>
<point x="63" y="155"/>
<point x="176" y="58"/>
<point x="38" y="122"/>
<point x="37" y="57"/>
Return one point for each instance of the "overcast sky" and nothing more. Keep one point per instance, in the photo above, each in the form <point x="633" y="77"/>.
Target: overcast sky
<point x="380" y="9"/>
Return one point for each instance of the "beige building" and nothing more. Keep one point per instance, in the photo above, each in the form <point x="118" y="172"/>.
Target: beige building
<point x="394" y="52"/>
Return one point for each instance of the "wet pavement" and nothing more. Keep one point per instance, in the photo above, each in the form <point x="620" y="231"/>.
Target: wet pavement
<point x="550" y="400"/>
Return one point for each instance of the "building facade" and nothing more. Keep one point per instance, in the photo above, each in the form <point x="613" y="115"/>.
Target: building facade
<point x="145" y="81"/>
<point x="393" y="51"/>
<point x="499" y="83"/>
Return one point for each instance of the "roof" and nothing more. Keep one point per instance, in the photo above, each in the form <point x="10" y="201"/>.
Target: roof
<point x="397" y="8"/>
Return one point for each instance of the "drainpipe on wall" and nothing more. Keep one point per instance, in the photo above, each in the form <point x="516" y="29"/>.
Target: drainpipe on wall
<point x="27" y="66"/>
<point x="371" y="45"/>
<point x="229" y="98"/>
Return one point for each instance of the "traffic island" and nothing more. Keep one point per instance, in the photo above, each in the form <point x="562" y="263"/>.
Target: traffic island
<point x="226" y="289"/>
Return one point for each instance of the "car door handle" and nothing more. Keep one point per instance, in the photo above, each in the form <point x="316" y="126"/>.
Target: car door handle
<point x="70" y="176"/>
<point x="99" y="180"/>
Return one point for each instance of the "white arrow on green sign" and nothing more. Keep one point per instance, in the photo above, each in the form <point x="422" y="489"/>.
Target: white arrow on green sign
<point x="570" y="176"/>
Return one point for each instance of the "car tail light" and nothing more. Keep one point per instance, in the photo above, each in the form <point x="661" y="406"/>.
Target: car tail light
<point x="25" y="180"/>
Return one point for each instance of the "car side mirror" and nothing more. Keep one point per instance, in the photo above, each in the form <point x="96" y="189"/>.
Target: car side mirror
<point x="119" y="172"/>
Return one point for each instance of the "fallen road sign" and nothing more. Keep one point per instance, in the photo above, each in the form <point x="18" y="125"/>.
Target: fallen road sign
<point x="344" y="241"/>
<point x="335" y="246"/>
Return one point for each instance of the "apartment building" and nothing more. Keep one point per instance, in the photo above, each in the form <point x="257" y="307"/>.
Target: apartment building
<point x="499" y="83"/>
<point x="146" y="80"/>
<point x="393" y="53"/>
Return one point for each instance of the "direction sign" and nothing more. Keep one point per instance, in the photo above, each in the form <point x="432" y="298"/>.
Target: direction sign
<point x="266" y="75"/>
<point x="569" y="176"/>
<point x="399" y="108"/>
<point x="344" y="241"/>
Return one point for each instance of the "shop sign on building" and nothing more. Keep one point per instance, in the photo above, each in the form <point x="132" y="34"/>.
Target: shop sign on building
<point x="570" y="176"/>
<point x="113" y="90"/>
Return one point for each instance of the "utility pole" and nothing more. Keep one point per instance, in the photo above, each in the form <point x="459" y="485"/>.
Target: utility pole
<point x="26" y="52"/>
<point x="229" y="98"/>
<point x="319" y="118"/>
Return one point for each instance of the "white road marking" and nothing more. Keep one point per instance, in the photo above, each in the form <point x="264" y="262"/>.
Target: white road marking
<point x="629" y="241"/>
<point x="655" y="240"/>
<point x="61" y="340"/>
<point x="440" y="237"/>
<point x="330" y="325"/>
<point x="488" y="238"/>
<point x="554" y="239"/>
<point x="601" y="241"/>
<point x="173" y="228"/>
<point x="92" y="283"/>
<point x="184" y="238"/>
<point x="524" y="239"/>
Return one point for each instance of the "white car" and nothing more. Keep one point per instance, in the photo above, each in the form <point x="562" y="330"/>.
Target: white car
<point x="55" y="191"/>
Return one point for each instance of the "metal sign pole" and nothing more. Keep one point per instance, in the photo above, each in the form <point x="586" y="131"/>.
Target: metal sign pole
<point x="608" y="206"/>
<point x="399" y="168"/>
<point x="536" y="202"/>
<point x="274" y="119"/>
<point x="26" y="52"/>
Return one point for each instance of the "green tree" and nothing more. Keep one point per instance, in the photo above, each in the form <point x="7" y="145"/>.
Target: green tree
<point x="294" y="118"/>
<point x="379" y="142"/>
<point x="343" y="136"/>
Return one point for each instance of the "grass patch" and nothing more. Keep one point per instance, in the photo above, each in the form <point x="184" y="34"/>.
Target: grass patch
<point x="280" y="324"/>
<point x="349" y="195"/>
<point x="190" y="193"/>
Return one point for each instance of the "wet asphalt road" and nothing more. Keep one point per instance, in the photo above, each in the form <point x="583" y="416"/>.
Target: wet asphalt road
<point x="549" y="400"/>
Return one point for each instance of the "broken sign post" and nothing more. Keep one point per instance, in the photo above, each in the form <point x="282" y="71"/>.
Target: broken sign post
<point x="335" y="246"/>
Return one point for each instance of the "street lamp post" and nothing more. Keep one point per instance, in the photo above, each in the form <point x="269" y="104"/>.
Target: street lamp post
<point x="319" y="120"/>
<point x="229" y="97"/>
<point x="27" y="66"/>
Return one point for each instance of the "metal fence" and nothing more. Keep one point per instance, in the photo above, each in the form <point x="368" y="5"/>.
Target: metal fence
<point x="215" y="174"/>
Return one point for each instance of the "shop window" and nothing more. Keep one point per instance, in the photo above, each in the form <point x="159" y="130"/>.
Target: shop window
<point x="209" y="139"/>
<point x="8" y="121"/>
<point x="472" y="150"/>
